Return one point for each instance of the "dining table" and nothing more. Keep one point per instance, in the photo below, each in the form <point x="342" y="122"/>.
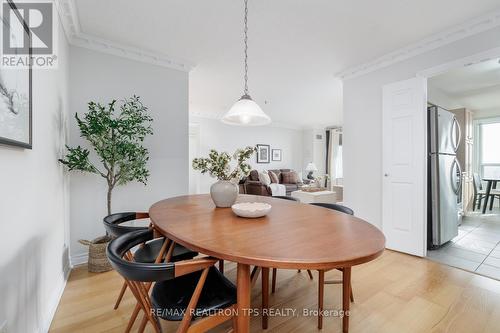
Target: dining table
<point x="491" y="183"/>
<point x="292" y="235"/>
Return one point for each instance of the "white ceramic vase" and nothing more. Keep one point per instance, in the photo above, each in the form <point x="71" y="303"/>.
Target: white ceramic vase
<point x="224" y="193"/>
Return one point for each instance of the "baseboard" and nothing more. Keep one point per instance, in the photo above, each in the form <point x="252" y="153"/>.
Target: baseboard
<point x="54" y="301"/>
<point x="78" y="259"/>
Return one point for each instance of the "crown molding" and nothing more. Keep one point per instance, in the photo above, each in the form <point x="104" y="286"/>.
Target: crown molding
<point x="433" y="42"/>
<point x="69" y="18"/>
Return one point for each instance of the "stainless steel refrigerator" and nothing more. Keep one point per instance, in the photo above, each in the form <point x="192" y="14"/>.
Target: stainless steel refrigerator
<point x="444" y="176"/>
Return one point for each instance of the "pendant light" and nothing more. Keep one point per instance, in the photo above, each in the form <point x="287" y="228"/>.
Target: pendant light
<point x="245" y="112"/>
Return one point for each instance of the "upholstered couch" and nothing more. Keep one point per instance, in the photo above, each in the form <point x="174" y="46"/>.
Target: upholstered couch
<point x="252" y="184"/>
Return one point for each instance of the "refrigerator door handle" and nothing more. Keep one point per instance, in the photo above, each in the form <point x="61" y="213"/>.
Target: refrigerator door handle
<point x="456" y="134"/>
<point x="456" y="174"/>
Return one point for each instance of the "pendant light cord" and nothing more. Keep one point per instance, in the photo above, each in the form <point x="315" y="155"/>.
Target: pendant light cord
<point x="246" y="47"/>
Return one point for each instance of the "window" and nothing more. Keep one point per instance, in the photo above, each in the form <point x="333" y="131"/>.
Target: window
<point x="490" y="139"/>
<point x="489" y="148"/>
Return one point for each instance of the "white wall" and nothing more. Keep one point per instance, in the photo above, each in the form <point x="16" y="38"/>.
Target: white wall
<point x="34" y="209"/>
<point x="438" y="97"/>
<point x="363" y="120"/>
<point x="489" y="113"/>
<point x="101" y="77"/>
<point x="216" y="135"/>
<point x="314" y="150"/>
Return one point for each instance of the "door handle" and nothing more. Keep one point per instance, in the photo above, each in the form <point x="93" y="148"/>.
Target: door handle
<point x="386" y="175"/>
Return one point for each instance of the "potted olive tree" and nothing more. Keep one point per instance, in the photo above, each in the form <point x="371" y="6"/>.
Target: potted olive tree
<point x="116" y="139"/>
<point x="225" y="191"/>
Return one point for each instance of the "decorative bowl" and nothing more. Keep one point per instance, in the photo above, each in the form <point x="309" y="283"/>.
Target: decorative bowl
<point x="251" y="209"/>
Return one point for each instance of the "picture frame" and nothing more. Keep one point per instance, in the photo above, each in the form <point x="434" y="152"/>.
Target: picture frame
<point x="263" y="153"/>
<point x="276" y="155"/>
<point x="16" y="96"/>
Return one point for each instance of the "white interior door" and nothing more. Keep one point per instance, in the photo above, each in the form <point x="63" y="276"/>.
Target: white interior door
<point x="405" y="165"/>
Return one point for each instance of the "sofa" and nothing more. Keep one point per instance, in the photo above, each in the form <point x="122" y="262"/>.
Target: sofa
<point x="252" y="184"/>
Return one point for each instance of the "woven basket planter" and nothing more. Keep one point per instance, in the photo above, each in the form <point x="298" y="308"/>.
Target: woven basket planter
<point x="98" y="261"/>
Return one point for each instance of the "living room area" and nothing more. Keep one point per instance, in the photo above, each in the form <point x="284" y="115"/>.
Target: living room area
<point x="290" y="161"/>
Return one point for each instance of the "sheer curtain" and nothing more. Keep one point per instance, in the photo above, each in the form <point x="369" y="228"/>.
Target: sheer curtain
<point x="334" y="156"/>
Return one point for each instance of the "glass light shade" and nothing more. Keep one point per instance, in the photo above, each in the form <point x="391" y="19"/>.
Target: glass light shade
<point x="311" y="167"/>
<point x="245" y="112"/>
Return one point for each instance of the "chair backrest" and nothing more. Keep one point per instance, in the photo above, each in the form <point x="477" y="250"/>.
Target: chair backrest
<point x="476" y="181"/>
<point x="137" y="271"/>
<point x="112" y="223"/>
<point x="284" y="197"/>
<point x="336" y="207"/>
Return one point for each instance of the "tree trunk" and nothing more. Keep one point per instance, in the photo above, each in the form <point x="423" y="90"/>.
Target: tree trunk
<point x="110" y="190"/>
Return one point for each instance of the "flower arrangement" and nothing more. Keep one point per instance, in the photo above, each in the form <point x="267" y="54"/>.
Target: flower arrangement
<point x="217" y="164"/>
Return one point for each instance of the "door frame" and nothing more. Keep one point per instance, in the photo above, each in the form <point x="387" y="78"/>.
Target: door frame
<point x="440" y="69"/>
<point x="194" y="133"/>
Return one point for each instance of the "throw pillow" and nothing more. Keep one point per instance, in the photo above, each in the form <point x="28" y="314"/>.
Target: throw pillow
<point x="264" y="178"/>
<point x="274" y="177"/>
<point x="289" y="177"/>
<point x="254" y="175"/>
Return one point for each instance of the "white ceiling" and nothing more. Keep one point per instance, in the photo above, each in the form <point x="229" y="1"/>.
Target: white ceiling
<point x="476" y="87"/>
<point x="295" y="46"/>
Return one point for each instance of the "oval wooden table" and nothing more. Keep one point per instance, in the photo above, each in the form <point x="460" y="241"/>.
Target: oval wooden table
<point x="291" y="236"/>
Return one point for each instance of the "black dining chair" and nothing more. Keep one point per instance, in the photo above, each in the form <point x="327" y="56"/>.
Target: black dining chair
<point x="285" y="197"/>
<point x="322" y="282"/>
<point x="479" y="192"/>
<point x="273" y="284"/>
<point x="147" y="252"/>
<point x="337" y="207"/>
<point x="183" y="291"/>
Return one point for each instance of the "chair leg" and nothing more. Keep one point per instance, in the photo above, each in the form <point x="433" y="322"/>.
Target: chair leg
<point x="265" y="296"/>
<point x="133" y="318"/>
<point x="352" y="295"/>
<point x="310" y="274"/>
<point x="221" y="266"/>
<point x="235" y="325"/>
<point x="124" y="287"/>
<point x="143" y="323"/>
<point x="321" y="287"/>
<point x="273" y="285"/>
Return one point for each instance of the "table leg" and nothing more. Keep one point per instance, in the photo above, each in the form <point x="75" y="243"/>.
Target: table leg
<point x="321" y="293"/>
<point x="488" y="191"/>
<point x="243" y="298"/>
<point x="265" y="296"/>
<point x="346" y="300"/>
<point x="492" y="199"/>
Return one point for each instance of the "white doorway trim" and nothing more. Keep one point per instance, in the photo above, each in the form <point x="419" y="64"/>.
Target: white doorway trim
<point x="194" y="150"/>
<point x="448" y="66"/>
<point x="466" y="61"/>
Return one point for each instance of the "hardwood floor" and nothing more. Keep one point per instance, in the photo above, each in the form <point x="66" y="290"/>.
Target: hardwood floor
<point x="395" y="293"/>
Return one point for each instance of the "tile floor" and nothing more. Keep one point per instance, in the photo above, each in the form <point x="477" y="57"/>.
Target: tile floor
<point x="477" y="246"/>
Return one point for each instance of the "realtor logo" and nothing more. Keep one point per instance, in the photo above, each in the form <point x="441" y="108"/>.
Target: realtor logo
<point x="28" y="34"/>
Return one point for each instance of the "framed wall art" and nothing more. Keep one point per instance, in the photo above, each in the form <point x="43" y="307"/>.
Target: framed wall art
<point x="16" y="87"/>
<point x="263" y="154"/>
<point x="276" y="155"/>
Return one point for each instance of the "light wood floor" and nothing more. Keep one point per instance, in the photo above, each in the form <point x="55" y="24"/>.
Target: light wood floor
<point x="395" y="293"/>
